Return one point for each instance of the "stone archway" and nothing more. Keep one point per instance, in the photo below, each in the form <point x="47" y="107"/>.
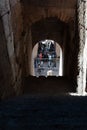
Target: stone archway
<point x="52" y="20"/>
<point x="59" y="59"/>
<point x="36" y="14"/>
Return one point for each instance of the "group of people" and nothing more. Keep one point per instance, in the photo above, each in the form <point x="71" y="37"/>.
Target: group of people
<point x="46" y="53"/>
<point x="46" y="49"/>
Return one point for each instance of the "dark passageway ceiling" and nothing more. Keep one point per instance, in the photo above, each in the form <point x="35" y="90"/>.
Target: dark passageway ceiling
<point x="49" y="28"/>
<point x="52" y="3"/>
<point x="35" y="10"/>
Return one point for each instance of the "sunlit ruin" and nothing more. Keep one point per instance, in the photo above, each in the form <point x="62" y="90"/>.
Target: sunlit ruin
<point x="43" y="64"/>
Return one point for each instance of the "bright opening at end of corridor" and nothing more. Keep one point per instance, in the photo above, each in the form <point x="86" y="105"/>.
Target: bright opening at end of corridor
<point x="47" y="58"/>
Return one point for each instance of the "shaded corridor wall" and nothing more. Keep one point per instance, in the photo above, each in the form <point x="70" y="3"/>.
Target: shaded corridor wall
<point x="71" y="50"/>
<point x="6" y="75"/>
<point x="36" y="11"/>
<point x="19" y="45"/>
<point x="11" y="54"/>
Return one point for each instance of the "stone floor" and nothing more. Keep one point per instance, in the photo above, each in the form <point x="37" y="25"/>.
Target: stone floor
<point x="47" y="86"/>
<point x="31" y="112"/>
<point x="45" y="105"/>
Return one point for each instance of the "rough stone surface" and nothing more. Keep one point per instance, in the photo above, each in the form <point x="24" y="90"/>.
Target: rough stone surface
<point x="82" y="52"/>
<point x="4" y="7"/>
<point x="10" y="34"/>
<point x="6" y="76"/>
<point x="23" y="23"/>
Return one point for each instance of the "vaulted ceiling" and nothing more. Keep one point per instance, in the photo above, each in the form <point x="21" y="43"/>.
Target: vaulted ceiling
<point x="35" y="10"/>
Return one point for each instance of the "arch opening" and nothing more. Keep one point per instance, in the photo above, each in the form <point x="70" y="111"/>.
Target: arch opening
<point x="47" y="59"/>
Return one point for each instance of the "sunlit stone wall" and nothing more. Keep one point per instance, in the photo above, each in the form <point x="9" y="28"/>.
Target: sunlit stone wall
<point x="82" y="23"/>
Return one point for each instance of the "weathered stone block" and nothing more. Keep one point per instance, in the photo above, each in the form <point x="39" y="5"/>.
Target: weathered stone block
<point x="13" y="3"/>
<point x="17" y="23"/>
<point x="10" y="46"/>
<point x="6" y="24"/>
<point x="4" y="6"/>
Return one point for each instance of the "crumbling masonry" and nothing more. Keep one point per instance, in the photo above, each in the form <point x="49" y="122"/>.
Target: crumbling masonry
<point x="18" y="21"/>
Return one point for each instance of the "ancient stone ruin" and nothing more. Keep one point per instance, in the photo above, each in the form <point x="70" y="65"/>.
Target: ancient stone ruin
<point x="25" y="22"/>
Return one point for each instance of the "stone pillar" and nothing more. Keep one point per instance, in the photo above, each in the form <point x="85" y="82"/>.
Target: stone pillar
<point x="85" y="48"/>
<point x="9" y="39"/>
<point x="81" y="79"/>
<point x="10" y="15"/>
<point x="6" y="18"/>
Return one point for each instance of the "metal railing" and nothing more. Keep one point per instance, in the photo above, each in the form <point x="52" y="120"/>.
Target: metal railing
<point x="44" y="65"/>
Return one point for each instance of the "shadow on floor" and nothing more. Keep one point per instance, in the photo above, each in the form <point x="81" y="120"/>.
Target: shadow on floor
<point x="50" y="85"/>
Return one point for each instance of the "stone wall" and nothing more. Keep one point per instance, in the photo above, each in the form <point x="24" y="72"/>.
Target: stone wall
<point x="6" y="75"/>
<point x="40" y="19"/>
<point x="71" y="50"/>
<point x="17" y="28"/>
<point x="11" y="29"/>
<point x="18" y="37"/>
<point x="82" y="50"/>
